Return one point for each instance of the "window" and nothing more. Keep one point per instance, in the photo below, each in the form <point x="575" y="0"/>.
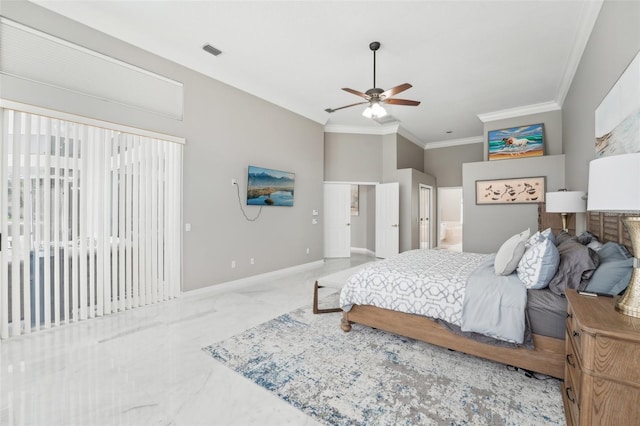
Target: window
<point x="90" y="221"/>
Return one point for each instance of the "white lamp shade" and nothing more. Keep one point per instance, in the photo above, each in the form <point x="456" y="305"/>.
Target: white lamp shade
<point x="566" y="202"/>
<point x="614" y="184"/>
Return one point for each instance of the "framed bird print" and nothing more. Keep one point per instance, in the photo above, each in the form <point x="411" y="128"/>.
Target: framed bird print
<point x="510" y="191"/>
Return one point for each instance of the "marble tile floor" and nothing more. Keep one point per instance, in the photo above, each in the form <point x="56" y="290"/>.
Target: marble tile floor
<point x="146" y="367"/>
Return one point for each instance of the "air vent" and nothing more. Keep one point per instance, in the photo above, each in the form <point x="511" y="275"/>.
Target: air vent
<point x="386" y="119"/>
<point x="209" y="48"/>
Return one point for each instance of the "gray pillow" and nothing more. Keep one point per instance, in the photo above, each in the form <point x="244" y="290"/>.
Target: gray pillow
<point x="510" y="252"/>
<point x="614" y="273"/>
<point x="577" y="265"/>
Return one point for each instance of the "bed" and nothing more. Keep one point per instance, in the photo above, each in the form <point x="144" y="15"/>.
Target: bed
<point x="545" y="313"/>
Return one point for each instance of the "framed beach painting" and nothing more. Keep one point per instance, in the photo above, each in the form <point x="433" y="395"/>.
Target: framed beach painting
<point x="516" y="142"/>
<point x="618" y="115"/>
<point x="511" y="191"/>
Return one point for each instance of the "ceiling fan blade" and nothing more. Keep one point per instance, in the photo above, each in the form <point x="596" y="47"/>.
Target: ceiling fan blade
<point x="343" y="107"/>
<point x="355" y="92"/>
<point x="401" y="102"/>
<point x="395" y="90"/>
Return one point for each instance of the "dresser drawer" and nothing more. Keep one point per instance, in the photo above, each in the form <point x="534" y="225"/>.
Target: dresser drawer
<point x="570" y="401"/>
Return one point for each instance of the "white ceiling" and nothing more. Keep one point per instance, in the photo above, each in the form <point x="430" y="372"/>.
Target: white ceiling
<point x="463" y="58"/>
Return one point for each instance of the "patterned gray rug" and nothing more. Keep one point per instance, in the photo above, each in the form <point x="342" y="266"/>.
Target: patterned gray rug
<point x="370" y="377"/>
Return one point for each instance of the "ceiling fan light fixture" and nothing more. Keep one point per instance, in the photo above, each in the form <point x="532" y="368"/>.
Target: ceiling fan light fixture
<point x="374" y="110"/>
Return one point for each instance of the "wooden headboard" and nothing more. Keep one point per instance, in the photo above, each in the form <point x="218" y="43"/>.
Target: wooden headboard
<point x="609" y="227"/>
<point x="605" y="226"/>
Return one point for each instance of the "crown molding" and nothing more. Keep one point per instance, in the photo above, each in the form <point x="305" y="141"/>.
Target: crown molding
<point x="362" y="130"/>
<point x="519" y="111"/>
<point x="411" y="137"/>
<point x="454" y="142"/>
<point x="587" y="22"/>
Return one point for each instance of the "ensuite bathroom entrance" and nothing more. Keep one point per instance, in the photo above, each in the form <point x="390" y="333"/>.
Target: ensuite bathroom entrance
<point x="450" y="218"/>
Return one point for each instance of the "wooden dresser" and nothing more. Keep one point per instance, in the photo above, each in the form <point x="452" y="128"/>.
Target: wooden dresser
<point x="602" y="370"/>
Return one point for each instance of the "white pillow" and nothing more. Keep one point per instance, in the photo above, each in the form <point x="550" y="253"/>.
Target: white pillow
<point x="510" y="252"/>
<point x="539" y="264"/>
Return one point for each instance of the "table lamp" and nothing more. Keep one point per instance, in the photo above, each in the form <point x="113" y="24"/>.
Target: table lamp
<point x="614" y="186"/>
<point x="565" y="202"/>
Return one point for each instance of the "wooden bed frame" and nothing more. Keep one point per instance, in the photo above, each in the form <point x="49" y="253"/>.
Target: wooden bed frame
<point x="548" y="357"/>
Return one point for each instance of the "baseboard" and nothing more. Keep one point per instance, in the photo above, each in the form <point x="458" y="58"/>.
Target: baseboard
<point x="362" y="251"/>
<point x="254" y="278"/>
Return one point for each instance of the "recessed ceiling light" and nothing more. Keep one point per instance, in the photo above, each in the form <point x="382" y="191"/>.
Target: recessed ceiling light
<point x="209" y="48"/>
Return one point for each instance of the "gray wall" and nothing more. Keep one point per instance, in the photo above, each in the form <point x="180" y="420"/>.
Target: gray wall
<point x="486" y="227"/>
<point x="226" y="130"/>
<point x="445" y="164"/>
<point x="410" y="155"/>
<point x="450" y="204"/>
<point x="614" y="42"/>
<point x="409" y="181"/>
<point x="352" y="157"/>
<point x="374" y="158"/>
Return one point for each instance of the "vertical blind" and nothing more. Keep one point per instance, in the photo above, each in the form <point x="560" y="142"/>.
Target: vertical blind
<point x="90" y="221"/>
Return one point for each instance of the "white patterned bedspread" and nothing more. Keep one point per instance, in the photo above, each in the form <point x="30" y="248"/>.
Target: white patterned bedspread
<point x="424" y="282"/>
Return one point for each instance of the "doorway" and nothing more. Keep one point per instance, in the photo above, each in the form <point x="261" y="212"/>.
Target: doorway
<point x="450" y="220"/>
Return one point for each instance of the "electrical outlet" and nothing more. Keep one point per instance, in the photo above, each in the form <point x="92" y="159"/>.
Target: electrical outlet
<point x="234" y="182"/>
<point x="252" y="261"/>
<point x="187" y="227"/>
<point x="307" y="250"/>
<point x="233" y="263"/>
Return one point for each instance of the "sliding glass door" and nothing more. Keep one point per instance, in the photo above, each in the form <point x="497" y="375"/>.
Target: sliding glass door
<point x="90" y="221"/>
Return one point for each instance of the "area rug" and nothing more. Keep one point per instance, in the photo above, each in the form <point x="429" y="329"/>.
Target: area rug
<point x="370" y="377"/>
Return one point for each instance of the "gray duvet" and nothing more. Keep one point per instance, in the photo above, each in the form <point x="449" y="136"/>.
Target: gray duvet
<point x="494" y="305"/>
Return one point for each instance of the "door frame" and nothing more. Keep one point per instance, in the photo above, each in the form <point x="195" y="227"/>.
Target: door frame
<point x="366" y="183"/>
<point x="430" y="212"/>
<point x="440" y="189"/>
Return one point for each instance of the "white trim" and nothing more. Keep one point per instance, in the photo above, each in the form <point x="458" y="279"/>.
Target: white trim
<point x="362" y="251"/>
<point x="381" y="130"/>
<point x="519" y="111"/>
<point x="411" y="137"/>
<point x="32" y="109"/>
<point x="586" y="23"/>
<point x="87" y="51"/>
<point x="88" y="73"/>
<point x="349" y="182"/>
<point x="454" y="142"/>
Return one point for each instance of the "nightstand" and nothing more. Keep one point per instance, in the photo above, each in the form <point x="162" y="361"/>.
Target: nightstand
<point x="602" y="368"/>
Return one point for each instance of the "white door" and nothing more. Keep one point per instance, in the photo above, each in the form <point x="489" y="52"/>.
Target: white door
<point x="387" y="219"/>
<point x="424" y="216"/>
<point x="337" y="220"/>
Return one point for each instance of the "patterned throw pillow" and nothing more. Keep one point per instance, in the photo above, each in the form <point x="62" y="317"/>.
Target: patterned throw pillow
<point x="547" y="234"/>
<point x="538" y="264"/>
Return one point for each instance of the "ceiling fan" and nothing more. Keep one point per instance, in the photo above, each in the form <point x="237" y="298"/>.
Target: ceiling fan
<point x="376" y="96"/>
